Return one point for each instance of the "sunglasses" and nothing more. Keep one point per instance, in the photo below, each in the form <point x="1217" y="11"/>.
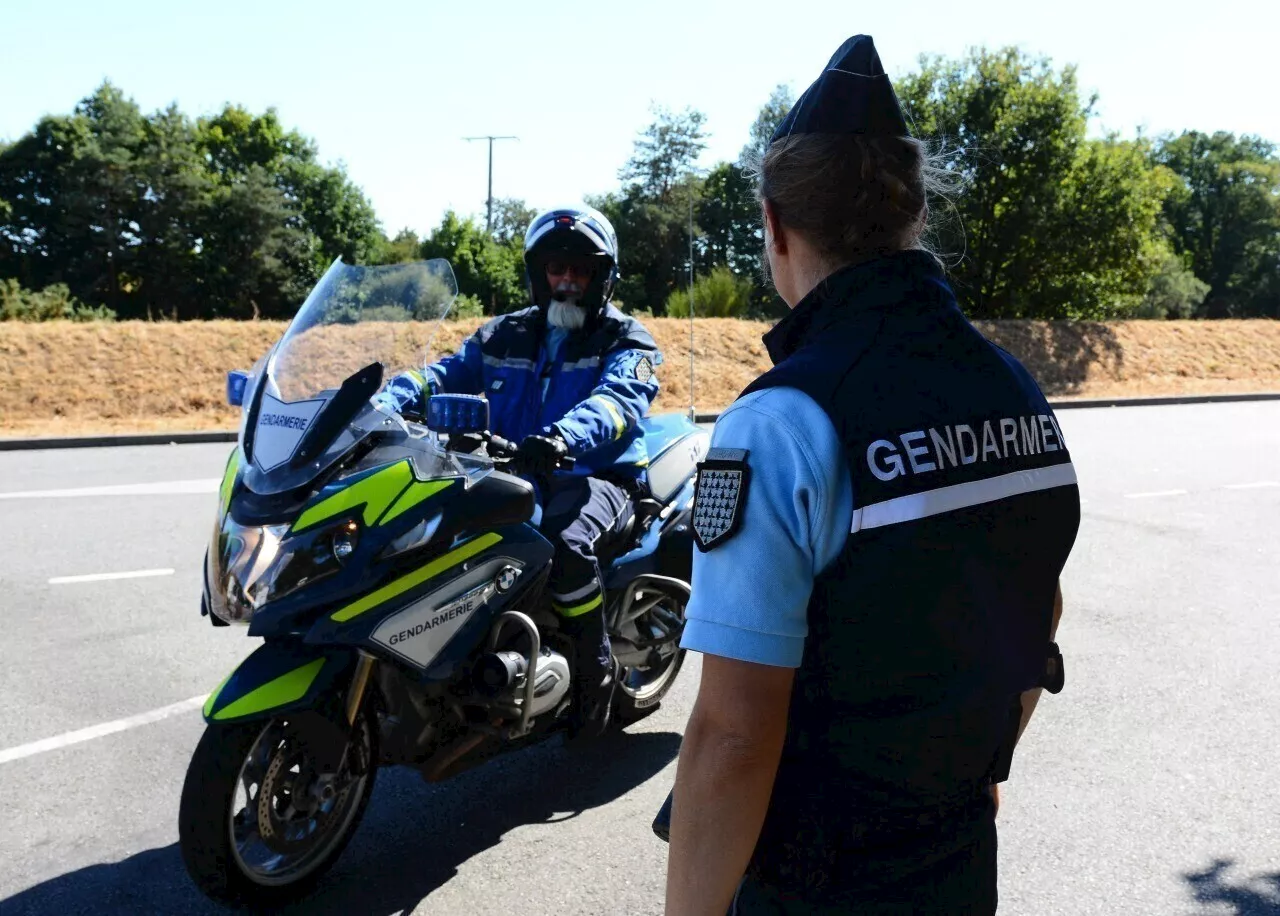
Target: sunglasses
<point x="578" y="269"/>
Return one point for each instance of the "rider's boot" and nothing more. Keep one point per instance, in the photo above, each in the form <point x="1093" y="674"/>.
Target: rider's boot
<point x="595" y="677"/>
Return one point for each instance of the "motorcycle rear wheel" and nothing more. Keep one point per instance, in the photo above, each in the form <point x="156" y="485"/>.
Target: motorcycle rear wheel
<point x="293" y="823"/>
<point x="640" y="690"/>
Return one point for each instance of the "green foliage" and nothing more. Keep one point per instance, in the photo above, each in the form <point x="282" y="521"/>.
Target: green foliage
<point x="1050" y="225"/>
<point x="490" y="271"/>
<point x="466" y="307"/>
<point x="652" y="212"/>
<point x="719" y="294"/>
<point x="1175" y="292"/>
<point x="155" y="214"/>
<point x="511" y="218"/>
<point x="1224" y="218"/>
<point x="665" y="152"/>
<point x="404" y="247"/>
<point x="729" y="217"/>
<point x="766" y="122"/>
<point x="233" y="215"/>
<point x="653" y="235"/>
<point x="49" y="304"/>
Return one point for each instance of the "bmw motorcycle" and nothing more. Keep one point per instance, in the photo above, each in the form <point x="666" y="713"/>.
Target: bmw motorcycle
<point x="392" y="568"/>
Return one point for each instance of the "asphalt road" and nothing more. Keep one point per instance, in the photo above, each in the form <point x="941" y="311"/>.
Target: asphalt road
<point x="1147" y="786"/>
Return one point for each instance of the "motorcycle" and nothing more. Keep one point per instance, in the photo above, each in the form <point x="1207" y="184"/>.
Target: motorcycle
<point x="392" y="568"/>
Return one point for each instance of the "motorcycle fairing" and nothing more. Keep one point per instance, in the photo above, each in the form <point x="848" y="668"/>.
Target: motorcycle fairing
<point x="278" y="677"/>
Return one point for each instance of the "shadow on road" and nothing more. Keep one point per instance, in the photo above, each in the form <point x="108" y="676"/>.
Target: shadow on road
<point x="413" y="839"/>
<point x="1061" y="355"/>
<point x="1258" y="895"/>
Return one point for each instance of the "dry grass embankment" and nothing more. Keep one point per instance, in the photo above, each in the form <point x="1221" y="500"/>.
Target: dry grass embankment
<point x="64" y="379"/>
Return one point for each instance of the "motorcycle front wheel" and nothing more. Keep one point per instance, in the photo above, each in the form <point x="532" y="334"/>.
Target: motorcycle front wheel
<point x="259" y="822"/>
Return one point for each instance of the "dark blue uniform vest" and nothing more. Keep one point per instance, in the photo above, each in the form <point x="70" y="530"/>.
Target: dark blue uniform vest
<point x="936" y="615"/>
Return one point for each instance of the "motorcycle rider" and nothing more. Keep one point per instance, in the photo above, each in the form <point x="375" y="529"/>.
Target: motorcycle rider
<point x="569" y="375"/>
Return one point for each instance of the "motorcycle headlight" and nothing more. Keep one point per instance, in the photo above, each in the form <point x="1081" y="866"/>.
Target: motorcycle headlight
<point x="253" y="565"/>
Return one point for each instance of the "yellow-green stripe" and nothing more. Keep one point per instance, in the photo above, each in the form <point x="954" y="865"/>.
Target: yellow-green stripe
<point x="229" y="479"/>
<point x="285" y="689"/>
<point x="579" y="609"/>
<point x="417" y="492"/>
<point x="376" y="492"/>
<point x="208" y="703"/>
<point x="619" y="424"/>
<point x="417" y="577"/>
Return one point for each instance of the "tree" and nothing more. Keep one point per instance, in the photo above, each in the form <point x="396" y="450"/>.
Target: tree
<point x="511" y="219"/>
<point x="666" y="152"/>
<point x="258" y="262"/>
<point x="651" y="213"/>
<point x="1224" y="218"/>
<point x="171" y="215"/>
<point x="1050" y="225"/>
<point x="729" y="217"/>
<point x="490" y="272"/>
<point x="766" y="122"/>
<point x="156" y="215"/>
<point x="653" y="236"/>
<point x="325" y="202"/>
<point x="405" y="246"/>
<point x="72" y="194"/>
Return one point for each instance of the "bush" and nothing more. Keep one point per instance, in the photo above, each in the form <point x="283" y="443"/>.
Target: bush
<point x="49" y="304"/>
<point x="1174" y="292"/>
<point x="466" y="307"/>
<point x="719" y="294"/>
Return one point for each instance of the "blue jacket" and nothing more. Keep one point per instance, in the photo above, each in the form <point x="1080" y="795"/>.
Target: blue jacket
<point x="598" y="385"/>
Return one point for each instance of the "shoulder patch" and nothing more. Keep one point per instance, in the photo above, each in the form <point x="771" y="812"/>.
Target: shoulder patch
<point x="644" y="369"/>
<point x="719" y="496"/>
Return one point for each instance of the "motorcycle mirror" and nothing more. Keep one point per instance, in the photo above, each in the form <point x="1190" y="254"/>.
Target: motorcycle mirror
<point x="458" y="414"/>
<point x="237" y="381"/>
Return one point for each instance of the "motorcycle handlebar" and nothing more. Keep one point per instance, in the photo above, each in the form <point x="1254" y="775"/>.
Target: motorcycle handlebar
<point x="503" y="448"/>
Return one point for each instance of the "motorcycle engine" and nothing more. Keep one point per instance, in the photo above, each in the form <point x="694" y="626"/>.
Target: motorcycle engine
<point x="502" y="675"/>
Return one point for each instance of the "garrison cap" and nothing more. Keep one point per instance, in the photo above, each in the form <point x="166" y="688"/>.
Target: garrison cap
<point x="852" y="96"/>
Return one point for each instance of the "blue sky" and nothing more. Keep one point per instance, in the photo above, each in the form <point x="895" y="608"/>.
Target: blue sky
<point x="389" y="89"/>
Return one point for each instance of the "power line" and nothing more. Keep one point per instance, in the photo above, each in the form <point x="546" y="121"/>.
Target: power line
<point x="488" y="220"/>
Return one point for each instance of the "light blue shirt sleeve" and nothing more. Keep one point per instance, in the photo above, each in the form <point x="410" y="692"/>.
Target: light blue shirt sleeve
<point x="751" y="592"/>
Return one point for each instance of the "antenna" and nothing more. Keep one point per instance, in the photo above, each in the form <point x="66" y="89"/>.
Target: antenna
<point x="692" y="414"/>
<point x="488" y="220"/>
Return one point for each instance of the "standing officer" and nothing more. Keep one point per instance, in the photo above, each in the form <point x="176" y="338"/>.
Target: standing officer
<point x="881" y="524"/>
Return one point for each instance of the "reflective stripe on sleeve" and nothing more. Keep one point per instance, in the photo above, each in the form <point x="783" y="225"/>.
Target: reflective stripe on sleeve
<point x="619" y="423"/>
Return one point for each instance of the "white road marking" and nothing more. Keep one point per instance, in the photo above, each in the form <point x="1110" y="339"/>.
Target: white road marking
<point x="98" y="731"/>
<point x="1155" y="494"/>
<point x="165" y="488"/>
<point x="105" y="577"/>
<point x="1252" y="486"/>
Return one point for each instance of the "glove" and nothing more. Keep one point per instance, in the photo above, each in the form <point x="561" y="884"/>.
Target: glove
<point x="401" y="391"/>
<point x="541" y="454"/>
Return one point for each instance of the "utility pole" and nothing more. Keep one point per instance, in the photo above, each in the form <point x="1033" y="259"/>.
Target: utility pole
<point x="488" y="222"/>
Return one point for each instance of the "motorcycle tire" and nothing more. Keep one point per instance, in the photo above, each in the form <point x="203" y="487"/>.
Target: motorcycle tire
<point x="206" y="822"/>
<point x="630" y="706"/>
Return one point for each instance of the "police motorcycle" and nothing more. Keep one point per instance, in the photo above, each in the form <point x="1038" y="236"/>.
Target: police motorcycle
<point x="391" y="566"/>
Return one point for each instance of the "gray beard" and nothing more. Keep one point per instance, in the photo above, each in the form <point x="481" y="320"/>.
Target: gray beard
<point x="568" y="315"/>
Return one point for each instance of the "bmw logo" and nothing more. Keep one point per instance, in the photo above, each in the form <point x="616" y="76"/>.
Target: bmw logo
<point x="506" y="578"/>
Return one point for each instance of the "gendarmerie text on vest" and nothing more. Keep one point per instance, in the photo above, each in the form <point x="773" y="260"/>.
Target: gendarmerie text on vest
<point x="935" y="449"/>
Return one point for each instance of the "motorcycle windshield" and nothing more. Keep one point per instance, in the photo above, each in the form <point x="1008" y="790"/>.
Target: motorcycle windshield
<point x="310" y="398"/>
